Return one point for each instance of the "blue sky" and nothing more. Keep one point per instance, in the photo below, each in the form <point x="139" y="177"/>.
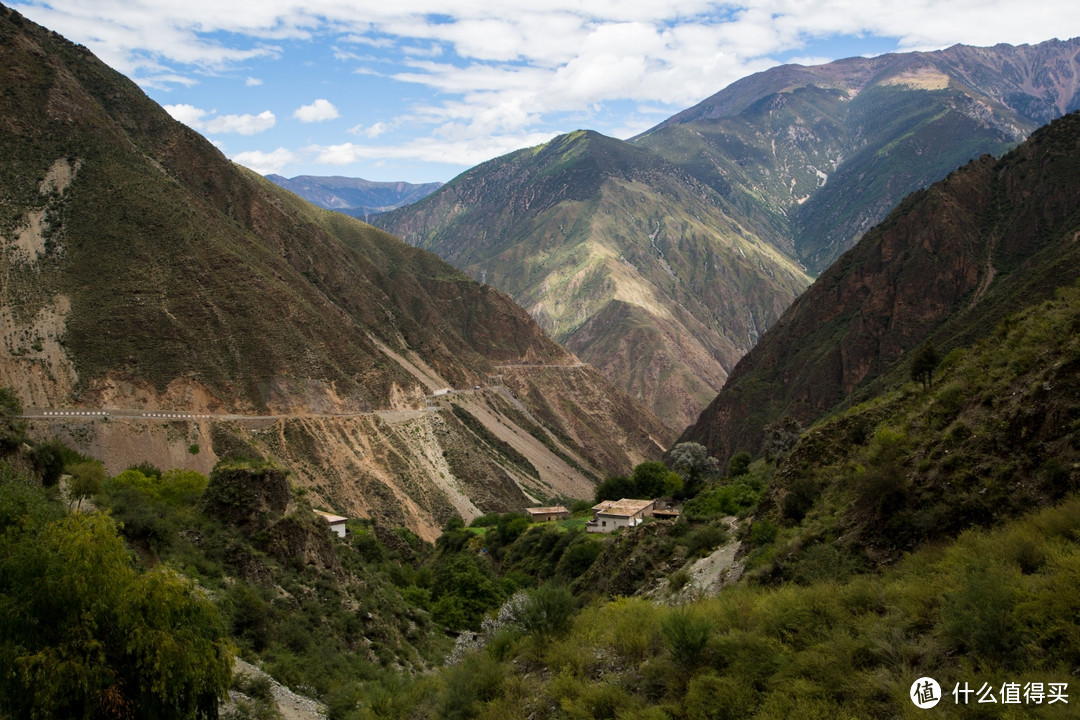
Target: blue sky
<point x="419" y="90"/>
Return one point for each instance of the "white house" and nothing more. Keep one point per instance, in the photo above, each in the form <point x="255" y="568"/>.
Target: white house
<point x="613" y="514"/>
<point x="336" y="522"/>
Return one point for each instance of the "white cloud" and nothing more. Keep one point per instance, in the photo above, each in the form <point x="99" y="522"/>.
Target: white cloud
<point x="317" y="111"/>
<point x="243" y="124"/>
<point x="187" y="114"/>
<point x="252" y="82"/>
<point x="371" y="131"/>
<point x="197" y="119"/>
<point x="265" y="163"/>
<point x="464" y="151"/>
<point x="490" y="73"/>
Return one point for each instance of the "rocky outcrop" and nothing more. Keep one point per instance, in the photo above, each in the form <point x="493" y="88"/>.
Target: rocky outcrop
<point x="247" y="495"/>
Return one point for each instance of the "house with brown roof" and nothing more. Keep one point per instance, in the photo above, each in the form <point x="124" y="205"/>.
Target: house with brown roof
<point x="611" y="515"/>
<point x="547" y="514"/>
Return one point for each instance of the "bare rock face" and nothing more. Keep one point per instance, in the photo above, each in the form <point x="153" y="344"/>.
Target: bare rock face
<point x="247" y="496"/>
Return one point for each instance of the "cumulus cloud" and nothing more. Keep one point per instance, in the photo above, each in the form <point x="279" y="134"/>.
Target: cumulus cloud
<point x="371" y="131"/>
<point x="464" y="151"/>
<point x="187" y="114"/>
<point x="317" y="111"/>
<point x="265" y="163"/>
<point x="243" y="124"/>
<point x="197" y="119"/>
<point x="488" y="73"/>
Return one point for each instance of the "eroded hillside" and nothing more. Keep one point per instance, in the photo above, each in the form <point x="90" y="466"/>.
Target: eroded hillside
<point x="141" y="270"/>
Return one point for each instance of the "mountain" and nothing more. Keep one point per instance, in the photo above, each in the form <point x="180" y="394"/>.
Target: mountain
<point x="821" y="154"/>
<point x="633" y="264"/>
<point x="353" y="196"/>
<point x="946" y="266"/>
<point x="143" y="271"/>
<point x="662" y="260"/>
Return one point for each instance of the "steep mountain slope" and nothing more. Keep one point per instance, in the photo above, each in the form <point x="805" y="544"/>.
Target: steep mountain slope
<point x="354" y="196"/>
<point x="945" y="266"/>
<point x="143" y="270"/>
<point x="634" y="265"/>
<point x="820" y="154"/>
<point x="645" y="268"/>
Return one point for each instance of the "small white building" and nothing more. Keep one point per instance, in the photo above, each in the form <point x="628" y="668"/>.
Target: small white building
<point x="613" y="514"/>
<point x="336" y="522"/>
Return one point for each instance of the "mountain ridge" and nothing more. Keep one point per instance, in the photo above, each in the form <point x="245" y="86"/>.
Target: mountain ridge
<point x="663" y="270"/>
<point x="142" y="269"/>
<point x="945" y="266"/>
<point x="824" y="152"/>
<point x="599" y="240"/>
<point x="354" y="196"/>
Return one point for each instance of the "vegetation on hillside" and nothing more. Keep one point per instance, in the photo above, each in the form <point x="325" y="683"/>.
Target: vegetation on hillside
<point x="87" y="633"/>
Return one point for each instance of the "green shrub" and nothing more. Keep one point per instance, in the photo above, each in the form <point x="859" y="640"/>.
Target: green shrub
<point x="686" y="636"/>
<point x="547" y="610"/>
<point x="712" y="697"/>
<point x="801" y="496"/>
<point x="739" y="464"/>
<point x="702" y="540"/>
<point x="678" y="579"/>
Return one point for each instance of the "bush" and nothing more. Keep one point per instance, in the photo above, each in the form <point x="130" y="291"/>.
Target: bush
<point x="711" y="697"/>
<point x="686" y="636"/>
<point x="547" y="610"/>
<point x="739" y="464"/>
<point x="735" y="498"/>
<point x="577" y="558"/>
<point x="477" y="679"/>
<point x="678" y="579"/>
<point x="701" y="541"/>
<point x="763" y="532"/>
<point x="801" y="496"/>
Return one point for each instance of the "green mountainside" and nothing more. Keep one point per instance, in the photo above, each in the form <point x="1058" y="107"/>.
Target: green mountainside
<point x="354" y="196"/>
<point x="946" y="266"/>
<point x="662" y="260"/>
<point x="630" y="262"/>
<point x="821" y="154"/>
<point x="144" y="271"/>
<point x="892" y="520"/>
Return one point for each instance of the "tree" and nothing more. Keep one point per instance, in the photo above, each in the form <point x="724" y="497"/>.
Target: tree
<point x="739" y="464"/>
<point x="463" y="590"/>
<point x="86" y="479"/>
<point x="614" y="488"/>
<point x="648" y="480"/>
<point x="48" y="459"/>
<point x="12" y="427"/>
<point x="86" y="636"/>
<point x="923" y="364"/>
<point x="692" y="461"/>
